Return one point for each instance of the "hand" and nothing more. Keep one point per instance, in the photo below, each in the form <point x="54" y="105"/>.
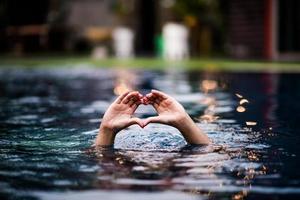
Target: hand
<point x="118" y="116"/>
<point x="170" y="112"/>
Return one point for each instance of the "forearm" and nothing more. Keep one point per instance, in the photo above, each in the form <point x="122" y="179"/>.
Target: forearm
<point x="105" y="137"/>
<point x="191" y="132"/>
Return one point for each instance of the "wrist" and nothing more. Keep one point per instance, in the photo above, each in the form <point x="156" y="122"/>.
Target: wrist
<point x="106" y="136"/>
<point x="183" y="121"/>
<point x="191" y="132"/>
<point x="105" y="129"/>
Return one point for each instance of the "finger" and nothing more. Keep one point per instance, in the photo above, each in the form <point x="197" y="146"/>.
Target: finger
<point x="157" y="101"/>
<point x="121" y="97"/>
<point x="159" y="94"/>
<point x="154" y="98"/>
<point x="149" y="96"/>
<point x="155" y="119"/>
<point x="147" y="102"/>
<point x="136" y="105"/>
<point x="136" y="120"/>
<point x="154" y="101"/>
<point x="141" y="96"/>
<point x="129" y="96"/>
<point x="132" y="100"/>
<point x="144" y="100"/>
<point x="147" y="99"/>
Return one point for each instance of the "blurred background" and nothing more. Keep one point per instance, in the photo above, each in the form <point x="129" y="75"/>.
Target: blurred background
<point x="256" y="29"/>
<point x="50" y="115"/>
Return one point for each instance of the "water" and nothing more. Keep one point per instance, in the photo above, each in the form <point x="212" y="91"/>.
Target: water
<point x="50" y="118"/>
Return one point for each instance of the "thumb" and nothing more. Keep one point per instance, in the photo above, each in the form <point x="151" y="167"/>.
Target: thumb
<point x="136" y="120"/>
<point x="155" y="119"/>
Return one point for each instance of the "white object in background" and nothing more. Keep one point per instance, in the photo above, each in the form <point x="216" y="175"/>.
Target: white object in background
<point x="123" y="42"/>
<point x="175" y="41"/>
<point x="99" y="52"/>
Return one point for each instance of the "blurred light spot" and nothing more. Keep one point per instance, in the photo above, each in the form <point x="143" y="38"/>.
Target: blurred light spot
<point x="121" y="88"/>
<point x="241" y="109"/>
<point x="253" y="157"/>
<point x="238" y="95"/>
<point x="237" y="197"/>
<point x="125" y="82"/>
<point x="243" y="101"/>
<point x="208" y="85"/>
<point x="251" y="123"/>
<point x="264" y="168"/>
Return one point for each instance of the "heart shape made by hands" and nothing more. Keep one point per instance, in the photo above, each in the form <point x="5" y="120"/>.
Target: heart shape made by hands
<point x="120" y="113"/>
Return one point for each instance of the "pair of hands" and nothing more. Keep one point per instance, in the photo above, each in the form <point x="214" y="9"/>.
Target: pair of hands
<point x="119" y="115"/>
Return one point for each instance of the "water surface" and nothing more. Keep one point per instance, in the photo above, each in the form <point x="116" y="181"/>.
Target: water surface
<point x="50" y="118"/>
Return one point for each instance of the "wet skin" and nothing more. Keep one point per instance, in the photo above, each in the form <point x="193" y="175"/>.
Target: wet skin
<point x="119" y="115"/>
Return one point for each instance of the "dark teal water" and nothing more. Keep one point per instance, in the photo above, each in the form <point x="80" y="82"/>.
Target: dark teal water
<point x="49" y="120"/>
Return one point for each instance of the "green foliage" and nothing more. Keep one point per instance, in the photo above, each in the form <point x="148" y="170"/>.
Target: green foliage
<point x="206" y="11"/>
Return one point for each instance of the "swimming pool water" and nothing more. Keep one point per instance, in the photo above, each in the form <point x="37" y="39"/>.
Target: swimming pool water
<point x="50" y="118"/>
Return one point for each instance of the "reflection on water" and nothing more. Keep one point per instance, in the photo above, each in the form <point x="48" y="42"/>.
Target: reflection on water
<point x="49" y="119"/>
